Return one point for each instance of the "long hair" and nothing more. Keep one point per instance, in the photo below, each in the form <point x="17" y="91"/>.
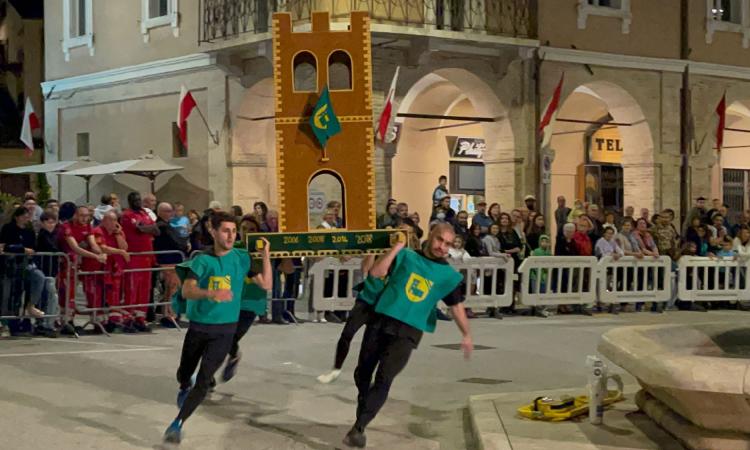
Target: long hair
<point x="510" y="222"/>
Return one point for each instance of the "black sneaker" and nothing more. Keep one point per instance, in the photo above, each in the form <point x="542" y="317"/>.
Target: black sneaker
<point x="141" y="327"/>
<point x="230" y="369"/>
<point x="68" y="329"/>
<point x="129" y="328"/>
<point x="331" y="317"/>
<point x="111" y="327"/>
<point x="442" y="316"/>
<point x="355" y="438"/>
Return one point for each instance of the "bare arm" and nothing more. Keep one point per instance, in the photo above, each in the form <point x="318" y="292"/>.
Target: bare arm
<point x="459" y="315"/>
<point x="383" y="264"/>
<point x="191" y="291"/>
<point x="265" y="279"/>
<point x="367" y="262"/>
<point x="78" y="250"/>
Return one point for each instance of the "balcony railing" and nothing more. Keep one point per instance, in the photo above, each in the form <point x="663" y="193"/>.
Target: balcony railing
<point x="227" y="19"/>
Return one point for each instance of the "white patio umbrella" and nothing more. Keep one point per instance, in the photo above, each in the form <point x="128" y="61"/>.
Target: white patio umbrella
<point x="148" y="165"/>
<point x="56" y="167"/>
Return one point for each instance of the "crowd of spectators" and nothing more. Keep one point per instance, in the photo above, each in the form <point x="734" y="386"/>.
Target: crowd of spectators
<point x="116" y="255"/>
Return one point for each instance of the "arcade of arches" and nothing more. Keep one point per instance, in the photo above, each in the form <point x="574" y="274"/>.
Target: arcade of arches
<point x="606" y="157"/>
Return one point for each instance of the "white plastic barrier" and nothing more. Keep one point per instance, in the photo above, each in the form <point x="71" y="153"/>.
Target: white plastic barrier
<point x="558" y="280"/>
<point x="630" y="279"/>
<point x="488" y="281"/>
<point x="334" y="269"/>
<point x="712" y="279"/>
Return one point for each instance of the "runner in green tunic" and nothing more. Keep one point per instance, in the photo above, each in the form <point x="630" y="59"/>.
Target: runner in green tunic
<point x="360" y="314"/>
<point x="212" y="285"/>
<point x="405" y="309"/>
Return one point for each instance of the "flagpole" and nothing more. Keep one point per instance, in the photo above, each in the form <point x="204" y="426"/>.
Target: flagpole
<point x="214" y="138"/>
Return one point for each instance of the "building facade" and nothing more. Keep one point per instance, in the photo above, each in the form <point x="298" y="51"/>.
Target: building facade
<point x="474" y="78"/>
<point x="21" y="73"/>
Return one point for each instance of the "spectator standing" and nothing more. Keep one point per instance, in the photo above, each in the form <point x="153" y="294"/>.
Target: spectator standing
<point x="529" y="205"/>
<point x="116" y="203"/>
<point x="461" y="224"/>
<point x="742" y="220"/>
<point x="445" y="204"/>
<point x="536" y="229"/>
<point x="645" y="215"/>
<point x="519" y="227"/>
<point x="441" y="190"/>
<point x="193" y="218"/>
<point x="149" y="205"/>
<point x="510" y="241"/>
<point x="474" y="245"/>
<point x="260" y="210"/>
<point x="610" y="221"/>
<point x="594" y="213"/>
<point x="742" y="242"/>
<point x="717" y="229"/>
<point x="561" y="214"/>
<point x="335" y="207"/>
<point x="645" y="239"/>
<point x="626" y="240"/>
<point x="697" y="211"/>
<point x="104" y="206"/>
<point x="388" y="219"/>
<point x="566" y="246"/>
<point x="139" y="231"/>
<point x="329" y="220"/>
<point x="271" y="225"/>
<point x="414" y="222"/>
<point x="666" y="237"/>
<point x="109" y="238"/>
<point x="607" y="245"/>
<point x="491" y="242"/>
<point x="480" y="216"/>
<point x="46" y="242"/>
<point x="169" y="240"/>
<point x="582" y="237"/>
<point x="37" y="210"/>
<point x="494" y="213"/>
<point x="179" y="221"/>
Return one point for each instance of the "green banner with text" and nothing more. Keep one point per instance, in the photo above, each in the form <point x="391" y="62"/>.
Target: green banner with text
<point x="324" y="243"/>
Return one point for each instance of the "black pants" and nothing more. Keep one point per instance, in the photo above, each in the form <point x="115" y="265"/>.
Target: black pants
<point x="389" y="354"/>
<point x="358" y="317"/>
<point x="243" y="325"/>
<point x="209" y="348"/>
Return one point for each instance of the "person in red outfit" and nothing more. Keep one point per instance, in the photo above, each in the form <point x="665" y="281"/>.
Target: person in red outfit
<point x="139" y="231"/>
<point x="74" y="240"/>
<point x="111" y="240"/>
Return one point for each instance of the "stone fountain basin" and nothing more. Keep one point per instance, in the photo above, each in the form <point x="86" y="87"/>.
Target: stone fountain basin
<point x="702" y="371"/>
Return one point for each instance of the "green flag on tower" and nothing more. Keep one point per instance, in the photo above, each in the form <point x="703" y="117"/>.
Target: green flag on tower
<point x="324" y="122"/>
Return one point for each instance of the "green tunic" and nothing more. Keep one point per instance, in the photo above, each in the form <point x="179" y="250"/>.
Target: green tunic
<point x="254" y="297"/>
<point x="415" y="285"/>
<point x="371" y="289"/>
<point x="214" y="273"/>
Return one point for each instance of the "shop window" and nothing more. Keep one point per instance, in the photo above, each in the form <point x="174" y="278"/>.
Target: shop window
<point x="305" y="72"/>
<point x="178" y="148"/>
<point x="339" y="71"/>
<point x="158" y="13"/>
<point x="735" y="190"/>
<point x="731" y="16"/>
<point x="466" y="178"/>
<point x="82" y="144"/>
<point x="606" y="8"/>
<point x="78" y="26"/>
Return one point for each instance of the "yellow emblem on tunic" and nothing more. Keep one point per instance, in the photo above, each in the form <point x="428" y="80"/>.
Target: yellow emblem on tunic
<point x="219" y="283"/>
<point x="417" y="288"/>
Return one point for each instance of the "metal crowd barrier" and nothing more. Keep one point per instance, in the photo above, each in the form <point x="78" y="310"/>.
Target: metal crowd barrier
<point x="15" y="272"/>
<point x="82" y="304"/>
<point x="558" y="280"/>
<point x="634" y="280"/>
<point x="338" y="277"/>
<point x="713" y="279"/>
<point x="488" y="281"/>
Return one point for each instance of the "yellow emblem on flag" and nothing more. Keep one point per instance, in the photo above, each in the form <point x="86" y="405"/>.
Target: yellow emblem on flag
<point x="417" y="288"/>
<point x="219" y="283"/>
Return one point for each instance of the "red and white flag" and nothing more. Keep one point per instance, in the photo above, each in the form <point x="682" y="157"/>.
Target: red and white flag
<point x="551" y="110"/>
<point x="721" y="116"/>
<point x="30" y="124"/>
<point x="186" y="106"/>
<point x="387" y="114"/>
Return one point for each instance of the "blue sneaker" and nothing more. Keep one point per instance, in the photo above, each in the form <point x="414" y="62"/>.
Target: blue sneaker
<point x="173" y="434"/>
<point x="230" y="369"/>
<point x="183" y="393"/>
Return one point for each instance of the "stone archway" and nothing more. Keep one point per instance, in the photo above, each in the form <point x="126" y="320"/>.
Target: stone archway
<point x="422" y="152"/>
<point x="595" y="101"/>
<point x="253" y="148"/>
<point x="730" y="175"/>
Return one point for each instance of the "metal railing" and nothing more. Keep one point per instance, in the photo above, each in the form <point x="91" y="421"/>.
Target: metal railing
<point x="19" y="273"/>
<point x="226" y="19"/>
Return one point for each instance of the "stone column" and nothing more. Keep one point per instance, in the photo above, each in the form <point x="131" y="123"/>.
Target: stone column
<point x="219" y="177"/>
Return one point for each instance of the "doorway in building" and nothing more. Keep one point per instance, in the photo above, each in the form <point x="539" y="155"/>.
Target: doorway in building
<point x="600" y="177"/>
<point x="325" y="189"/>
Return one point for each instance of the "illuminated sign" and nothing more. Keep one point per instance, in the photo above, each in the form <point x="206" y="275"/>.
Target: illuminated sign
<point x="605" y="146"/>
